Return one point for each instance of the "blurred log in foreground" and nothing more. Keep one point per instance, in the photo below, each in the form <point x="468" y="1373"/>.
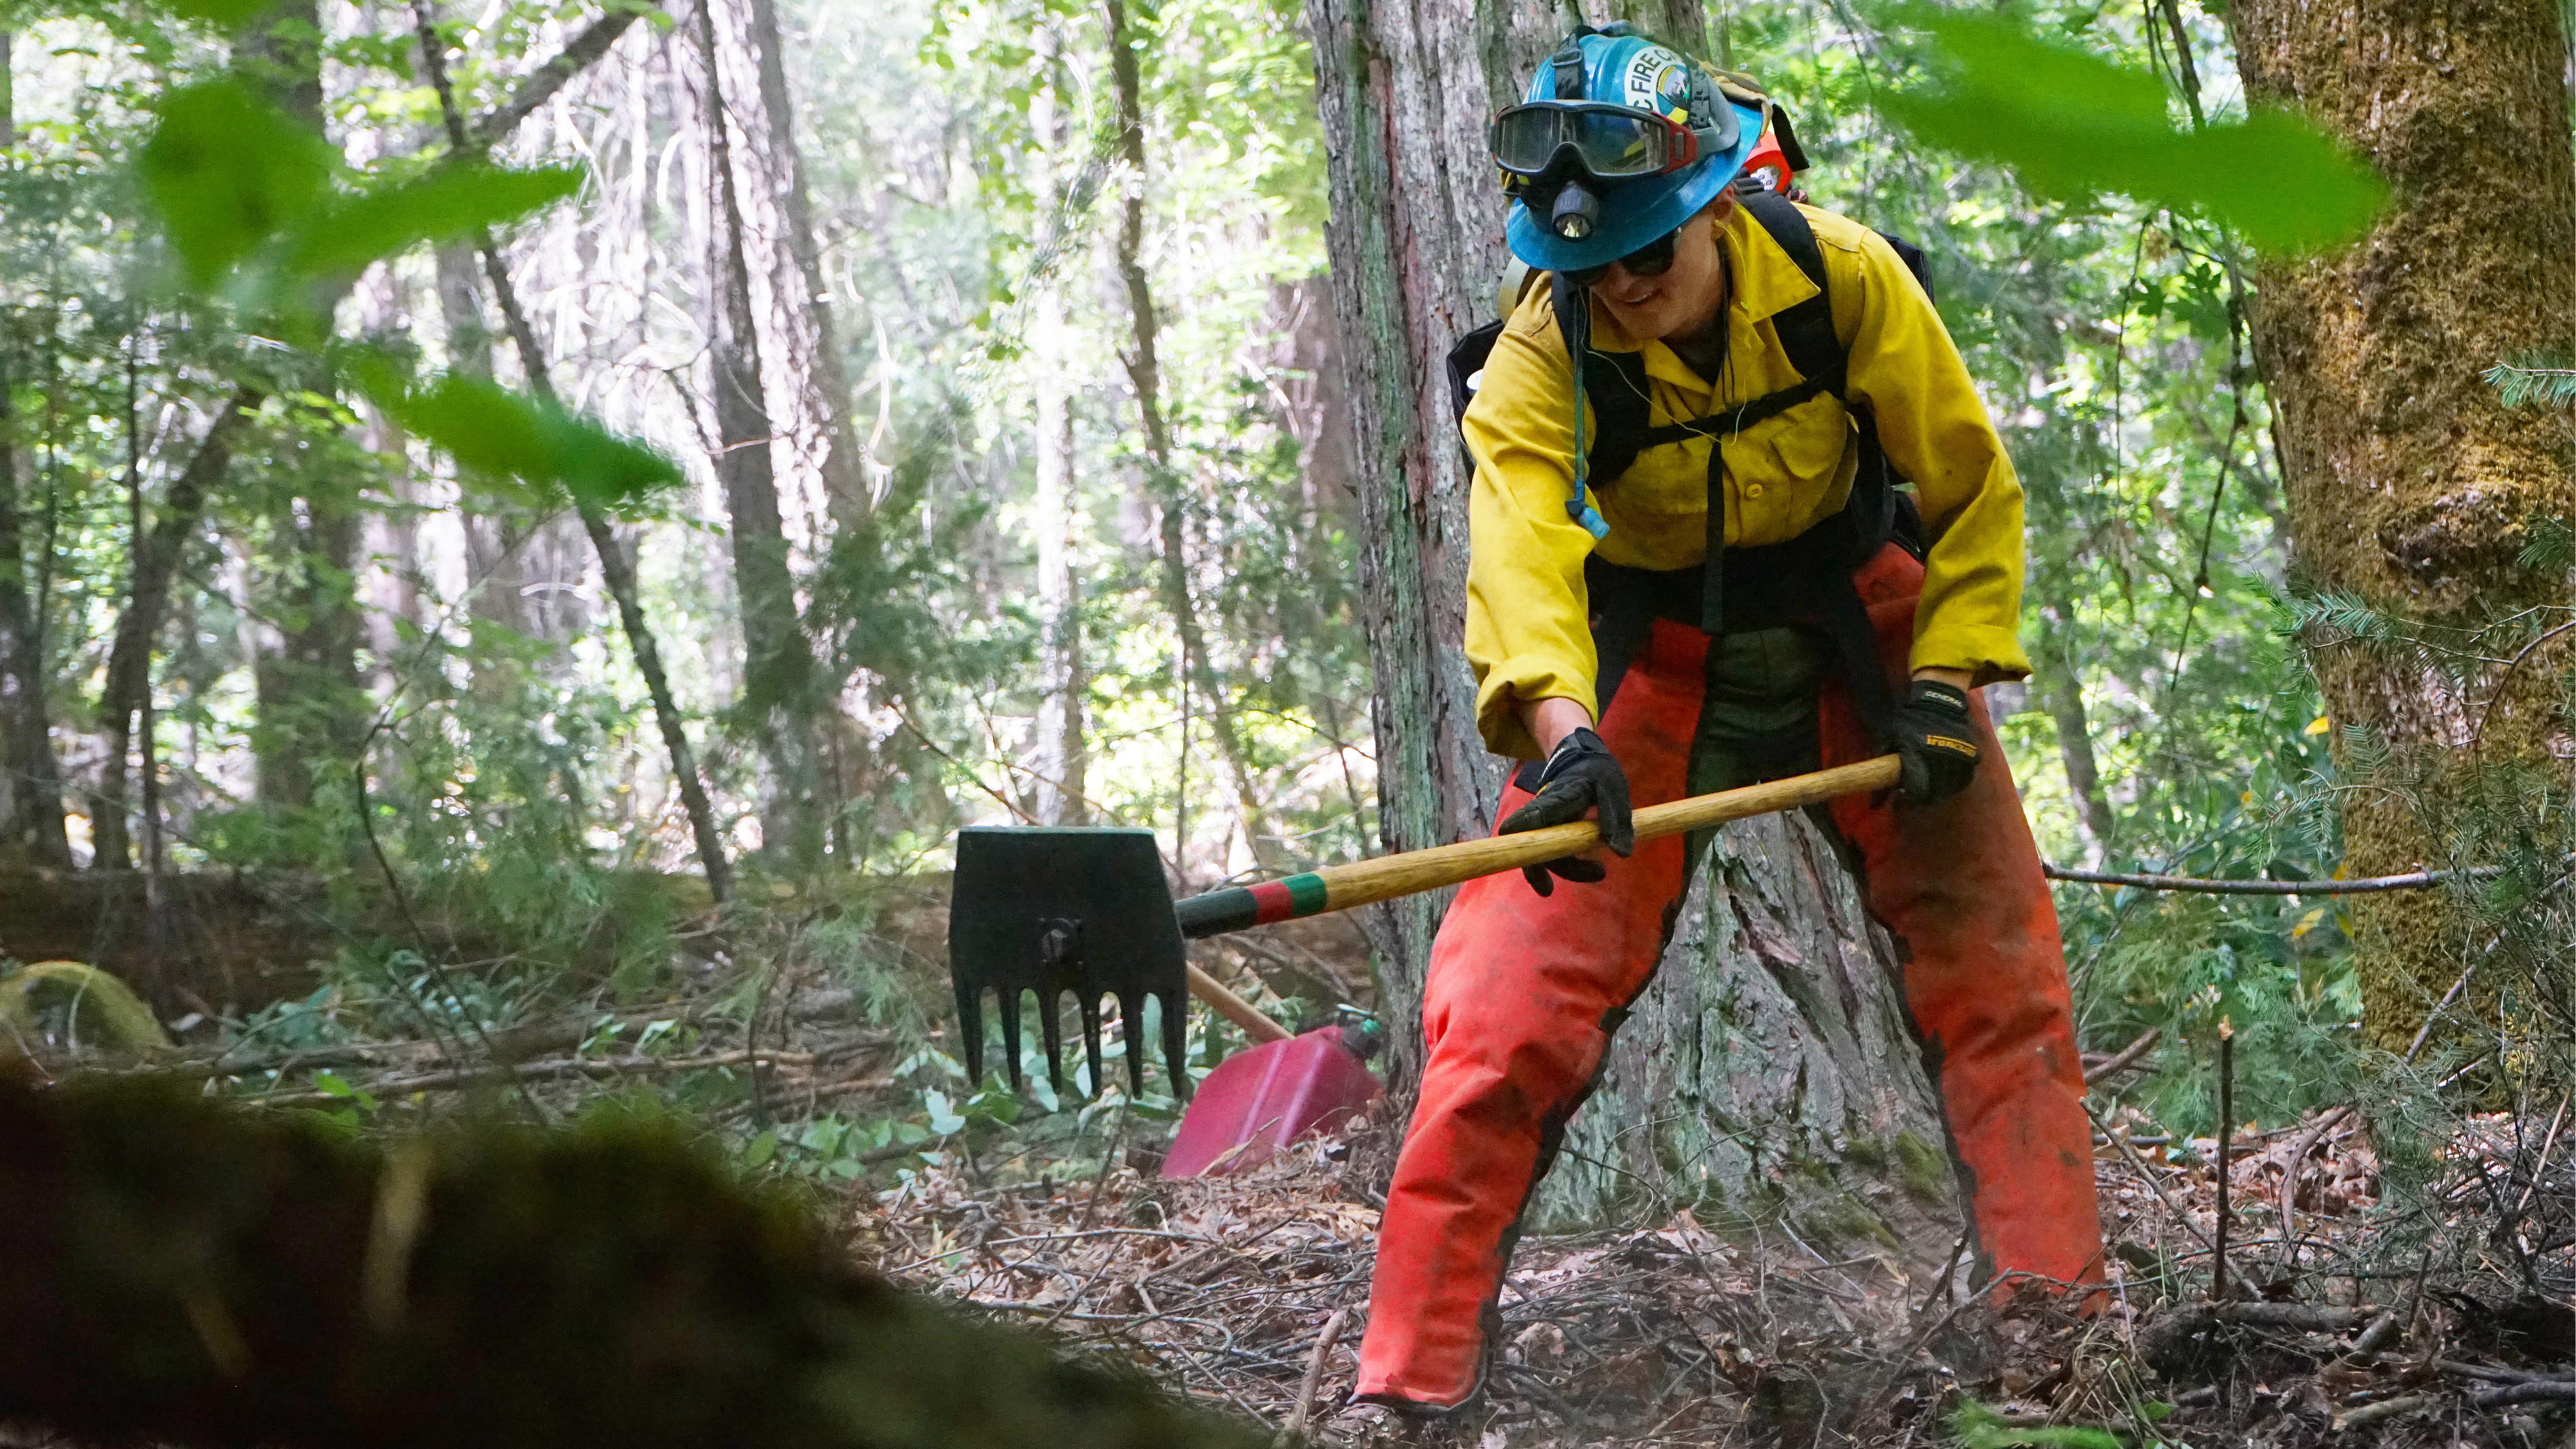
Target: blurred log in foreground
<point x="187" y="1274"/>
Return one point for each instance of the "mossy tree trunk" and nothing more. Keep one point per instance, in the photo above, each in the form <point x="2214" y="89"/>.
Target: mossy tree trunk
<point x="2410" y="487"/>
<point x="1769" y="1069"/>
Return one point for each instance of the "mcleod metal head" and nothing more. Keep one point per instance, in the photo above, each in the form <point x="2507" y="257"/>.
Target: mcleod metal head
<point x="1060" y="909"/>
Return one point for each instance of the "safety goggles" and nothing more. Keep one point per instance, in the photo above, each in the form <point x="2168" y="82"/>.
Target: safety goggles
<point x="1651" y="260"/>
<point x="1608" y="142"/>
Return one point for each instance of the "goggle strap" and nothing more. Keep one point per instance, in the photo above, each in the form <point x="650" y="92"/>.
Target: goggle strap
<point x="1569" y="72"/>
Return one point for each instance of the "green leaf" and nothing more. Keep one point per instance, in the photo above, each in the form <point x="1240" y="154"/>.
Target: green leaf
<point x="455" y="201"/>
<point x="1978" y="1427"/>
<point x="943" y="1118"/>
<point x="496" y="434"/>
<point x="330" y="1084"/>
<point x="760" y="1149"/>
<point x="228" y="14"/>
<point x="2073" y="125"/>
<point x="226" y="172"/>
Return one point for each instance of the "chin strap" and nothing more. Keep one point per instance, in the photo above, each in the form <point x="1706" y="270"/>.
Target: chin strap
<point x="1574" y="319"/>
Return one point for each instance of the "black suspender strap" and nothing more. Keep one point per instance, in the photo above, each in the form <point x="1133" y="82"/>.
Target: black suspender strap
<point x="1712" y="569"/>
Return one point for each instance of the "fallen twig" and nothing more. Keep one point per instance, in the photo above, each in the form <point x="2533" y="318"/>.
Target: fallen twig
<point x="2382" y="1332"/>
<point x="1314" y="1380"/>
<point x="2127" y="1056"/>
<point x="538" y="1071"/>
<point x="2538" y="1391"/>
<point x="2299" y="1151"/>
<point x="2495" y="1373"/>
<point x="2407" y="881"/>
<point x="2384" y="1409"/>
<point x="2148" y="1173"/>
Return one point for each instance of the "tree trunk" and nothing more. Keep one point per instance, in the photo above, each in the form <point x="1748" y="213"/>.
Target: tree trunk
<point x="849" y="486"/>
<point x="128" y="685"/>
<point x="31" y="798"/>
<point x="495" y="577"/>
<point x="843" y="465"/>
<point x="1144" y="374"/>
<point x="1775" y="1021"/>
<point x="2061" y="691"/>
<point x="2410" y="487"/>
<point x="1769" y="1074"/>
<point x="617" y="572"/>
<point x="311" y="703"/>
<point x="1061" y="752"/>
<point x="778" y="675"/>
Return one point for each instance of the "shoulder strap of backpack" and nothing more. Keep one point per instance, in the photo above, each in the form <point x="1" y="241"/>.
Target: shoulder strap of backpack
<point x="1807" y="329"/>
<point x="1615" y="383"/>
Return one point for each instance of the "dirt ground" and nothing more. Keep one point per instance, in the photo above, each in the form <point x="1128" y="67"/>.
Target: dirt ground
<point x="2352" y="1322"/>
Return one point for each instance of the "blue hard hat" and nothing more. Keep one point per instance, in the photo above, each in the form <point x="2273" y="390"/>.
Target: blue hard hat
<point x="1634" y="71"/>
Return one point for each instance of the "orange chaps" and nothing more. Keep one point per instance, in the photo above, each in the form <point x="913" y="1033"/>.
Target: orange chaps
<point x="1513" y="1014"/>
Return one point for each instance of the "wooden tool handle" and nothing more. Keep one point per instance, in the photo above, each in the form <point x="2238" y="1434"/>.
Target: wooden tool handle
<point x="1232" y="1007"/>
<point x="1340" y="887"/>
<point x="1361" y="882"/>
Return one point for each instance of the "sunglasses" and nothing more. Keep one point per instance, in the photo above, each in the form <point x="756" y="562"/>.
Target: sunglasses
<point x="1651" y="260"/>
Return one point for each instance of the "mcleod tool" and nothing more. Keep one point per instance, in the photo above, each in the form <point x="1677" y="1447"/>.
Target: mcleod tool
<point x="1086" y="911"/>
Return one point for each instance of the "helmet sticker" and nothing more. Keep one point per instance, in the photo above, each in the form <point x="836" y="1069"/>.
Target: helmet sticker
<point x="1657" y="81"/>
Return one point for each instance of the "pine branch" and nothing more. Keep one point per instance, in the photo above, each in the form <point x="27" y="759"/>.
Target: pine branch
<point x="2534" y="379"/>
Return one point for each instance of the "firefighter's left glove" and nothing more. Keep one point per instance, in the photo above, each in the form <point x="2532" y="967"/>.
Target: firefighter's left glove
<point x="1936" y="737"/>
<point x="1578" y="779"/>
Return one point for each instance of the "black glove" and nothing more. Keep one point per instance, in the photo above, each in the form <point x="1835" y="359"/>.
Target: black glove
<point x="1578" y="779"/>
<point x="1937" y="739"/>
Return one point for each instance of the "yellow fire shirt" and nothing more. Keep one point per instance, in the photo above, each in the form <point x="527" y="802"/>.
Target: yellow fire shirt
<point x="1528" y="635"/>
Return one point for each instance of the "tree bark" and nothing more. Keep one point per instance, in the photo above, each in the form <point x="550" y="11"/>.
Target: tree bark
<point x="2410" y="487"/>
<point x="31" y="799"/>
<point x="311" y="703"/>
<point x="1145" y="376"/>
<point x="128" y="685"/>
<point x="1062" y="755"/>
<point x="2061" y="690"/>
<point x="1769" y="1074"/>
<point x="843" y="464"/>
<point x="858" y="544"/>
<point x="778" y="678"/>
<point x="1403" y="93"/>
<point x="617" y="572"/>
<point x="1769" y="1066"/>
<point x="496" y="577"/>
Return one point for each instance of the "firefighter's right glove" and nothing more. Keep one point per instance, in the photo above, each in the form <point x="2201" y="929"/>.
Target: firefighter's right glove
<point x="1577" y="780"/>
<point x="1936" y="737"/>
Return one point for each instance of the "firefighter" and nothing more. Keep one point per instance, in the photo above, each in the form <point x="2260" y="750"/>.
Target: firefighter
<point x="1692" y="567"/>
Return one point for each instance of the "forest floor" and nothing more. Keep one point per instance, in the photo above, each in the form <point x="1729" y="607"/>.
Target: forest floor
<point x="1250" y="1292"/>
<point x="2429" y="1314"/>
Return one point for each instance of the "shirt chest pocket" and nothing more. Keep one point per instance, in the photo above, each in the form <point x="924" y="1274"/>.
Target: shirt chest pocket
<point x="1782" y="472"/>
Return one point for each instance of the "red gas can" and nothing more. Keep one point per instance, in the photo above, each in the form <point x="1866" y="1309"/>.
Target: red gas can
<point x="1257" y="1100"/>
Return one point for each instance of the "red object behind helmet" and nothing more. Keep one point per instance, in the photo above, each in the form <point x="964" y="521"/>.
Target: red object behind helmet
<point x="1768" y="165"/>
